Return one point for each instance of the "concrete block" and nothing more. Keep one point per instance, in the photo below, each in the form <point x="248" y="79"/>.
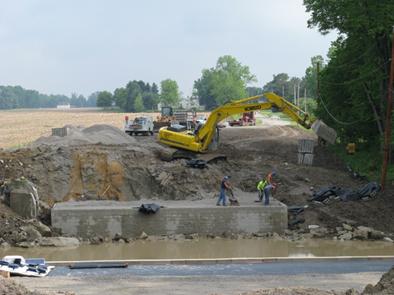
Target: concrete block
<point x="24" y="198"/>
<point x="305" y="159"/>
<point x="59" y="132"/>
<point x="306" y="146"/>
<point x="325" y="132"/>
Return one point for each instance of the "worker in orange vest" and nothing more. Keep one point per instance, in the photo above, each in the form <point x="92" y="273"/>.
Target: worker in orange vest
<point x="265" y="187"/>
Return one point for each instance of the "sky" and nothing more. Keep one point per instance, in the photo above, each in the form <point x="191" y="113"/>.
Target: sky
<point x="83" y="46"/>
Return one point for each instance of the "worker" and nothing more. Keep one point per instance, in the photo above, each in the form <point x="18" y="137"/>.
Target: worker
<point x="265" y="186"/>
<point x="224" y="186"/>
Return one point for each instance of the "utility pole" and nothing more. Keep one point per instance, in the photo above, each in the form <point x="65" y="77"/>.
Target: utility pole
<point x="305" y="100"/>
<point x="298" y="94"/>
<point x="387" y="133"/>
<point x="317" y="80"/>
<point x="295" y="94"/>
<point x="283" y="91"/>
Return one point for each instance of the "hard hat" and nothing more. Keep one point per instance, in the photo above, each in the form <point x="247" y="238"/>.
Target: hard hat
<point x="227" y="177"/>
<point x="273" y="173"/>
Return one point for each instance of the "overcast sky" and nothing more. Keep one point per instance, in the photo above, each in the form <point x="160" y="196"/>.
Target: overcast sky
<point x="82" y="46"/>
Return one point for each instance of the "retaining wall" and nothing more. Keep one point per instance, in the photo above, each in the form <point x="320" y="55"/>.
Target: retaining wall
<point x="106" y="218"/>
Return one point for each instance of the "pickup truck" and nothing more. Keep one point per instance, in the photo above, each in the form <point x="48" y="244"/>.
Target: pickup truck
<point x="140" y="125"/>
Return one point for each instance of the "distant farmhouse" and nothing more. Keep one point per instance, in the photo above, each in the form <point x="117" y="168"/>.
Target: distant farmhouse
<point x="63" y="106"/>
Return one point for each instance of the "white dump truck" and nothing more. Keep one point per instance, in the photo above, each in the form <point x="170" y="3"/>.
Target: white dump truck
<point x="140" y="125"/>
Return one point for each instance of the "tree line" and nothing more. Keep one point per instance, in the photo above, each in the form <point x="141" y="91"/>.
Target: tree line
<point x="354" y="81"/>
<point x="13" y="97"/>
<point x="139" y="96"/>
<point x="227" y="80"/>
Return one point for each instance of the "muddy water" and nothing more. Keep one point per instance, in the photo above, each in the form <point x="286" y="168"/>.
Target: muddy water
<point x="207" y="248"/>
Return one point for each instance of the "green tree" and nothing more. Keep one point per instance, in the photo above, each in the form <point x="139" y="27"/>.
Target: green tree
<point x="202" y="90"/>
<point x="354" y="81"/>
<point x="225" y="82"/>
<point x="18" y="97"/>
<point x="169" y="94"/>
<point x="253" y="91"/>
<point x="138" y="104"/>
<point x="120" y="98"/>
<point x="279" y="84"/>
<point x="104" y="99"/>
<point x="92" y="99"/>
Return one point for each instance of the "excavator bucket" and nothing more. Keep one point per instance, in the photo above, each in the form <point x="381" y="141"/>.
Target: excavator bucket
<point x="324" y="132"/>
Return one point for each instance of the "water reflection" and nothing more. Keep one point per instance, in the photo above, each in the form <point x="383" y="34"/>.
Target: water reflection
<point x="208" y="248"/>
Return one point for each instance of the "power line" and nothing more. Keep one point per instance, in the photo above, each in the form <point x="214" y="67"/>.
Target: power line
<point x="359" y="78"/>
<point x="353" y="61"/>
<point x="334" y="118"/>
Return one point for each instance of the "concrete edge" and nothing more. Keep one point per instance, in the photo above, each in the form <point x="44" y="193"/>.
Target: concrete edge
<point x="208" y="261"/>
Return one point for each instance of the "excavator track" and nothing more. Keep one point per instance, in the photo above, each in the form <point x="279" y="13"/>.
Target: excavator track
<point x="209" y="158"/>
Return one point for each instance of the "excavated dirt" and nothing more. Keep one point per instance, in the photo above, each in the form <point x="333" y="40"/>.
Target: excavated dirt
<point x="101" y="162"/>
<point x="384" y="287"/>
<point x="10" y="287"/>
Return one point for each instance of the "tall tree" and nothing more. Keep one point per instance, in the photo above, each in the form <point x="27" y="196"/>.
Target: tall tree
<point x="354" y="82"/>
<point x="104" y="99"/>
<point x="169" y="94"/>
<point x="92" y="99"/>
<point x="279" y="84"/>
<point x="226" y="82"/>
<point x="138" y="104"/>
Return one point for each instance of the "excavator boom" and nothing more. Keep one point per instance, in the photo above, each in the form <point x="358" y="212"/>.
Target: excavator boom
<point x="200" y="140"/>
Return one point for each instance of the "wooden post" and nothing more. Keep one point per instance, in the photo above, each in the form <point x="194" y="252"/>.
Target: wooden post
<point x="387" y="133"/>
<point x="305" y="100"/>
<point x="317" y="80"/>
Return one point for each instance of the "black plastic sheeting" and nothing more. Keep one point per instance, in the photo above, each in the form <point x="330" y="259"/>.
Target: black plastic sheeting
<point x="149" y="208"/>
<point x="196" y="163"/>
<point x="346" y="194"/>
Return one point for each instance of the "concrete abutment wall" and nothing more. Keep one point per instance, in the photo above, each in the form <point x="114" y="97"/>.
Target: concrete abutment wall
<point x="107" y="218"/>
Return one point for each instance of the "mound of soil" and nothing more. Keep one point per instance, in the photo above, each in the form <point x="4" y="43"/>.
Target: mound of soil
<point x="96" y="134"/>
<point x="9" y="287"/>
<point x="384" y="287"/>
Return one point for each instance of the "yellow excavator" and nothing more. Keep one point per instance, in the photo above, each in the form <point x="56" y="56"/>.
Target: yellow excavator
<point x="200" y="140"/>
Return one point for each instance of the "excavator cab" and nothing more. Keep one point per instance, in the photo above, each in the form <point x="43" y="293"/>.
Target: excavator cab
<point x="167" y="112"/>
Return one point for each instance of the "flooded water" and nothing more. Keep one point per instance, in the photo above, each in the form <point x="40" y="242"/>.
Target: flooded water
<point x="207" y="248"/>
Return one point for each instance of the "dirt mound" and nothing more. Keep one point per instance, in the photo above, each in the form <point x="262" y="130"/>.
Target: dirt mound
<point x="384" y="287"/>
<point x="96" y="134"/>
<point x="9" y="287"/>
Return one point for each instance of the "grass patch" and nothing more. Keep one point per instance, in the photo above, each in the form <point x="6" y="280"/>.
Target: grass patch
<point x="366" y="161"/>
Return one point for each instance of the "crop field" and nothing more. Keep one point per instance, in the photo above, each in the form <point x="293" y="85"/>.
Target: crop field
<point x="20" y="127"/>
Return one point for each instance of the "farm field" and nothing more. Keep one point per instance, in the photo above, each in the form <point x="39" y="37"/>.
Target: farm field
<point x="20" y="127"/>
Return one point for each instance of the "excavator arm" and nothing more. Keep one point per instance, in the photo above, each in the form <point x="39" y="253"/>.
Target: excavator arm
<point x="201" y="139"/>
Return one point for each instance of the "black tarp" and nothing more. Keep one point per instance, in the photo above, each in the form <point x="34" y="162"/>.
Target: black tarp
<point x="149" y="208"/>
<point x="345" y="194"/>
